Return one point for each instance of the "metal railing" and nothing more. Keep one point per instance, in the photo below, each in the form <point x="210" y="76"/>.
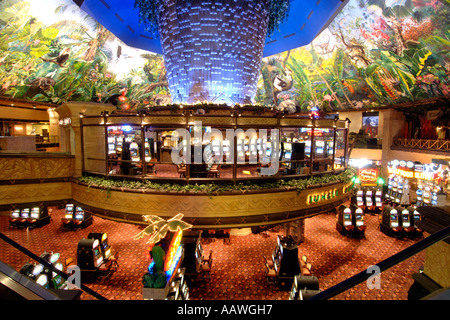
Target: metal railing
<point x="383" y="265"/>
<point x="435" y="145"/>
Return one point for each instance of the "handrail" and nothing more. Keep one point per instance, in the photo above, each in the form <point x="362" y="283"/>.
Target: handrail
<point x="48" y="265"/>
<point x="383" y="265"/>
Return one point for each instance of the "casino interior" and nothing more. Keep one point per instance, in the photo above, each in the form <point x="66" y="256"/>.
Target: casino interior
<point x="224" y="150"/>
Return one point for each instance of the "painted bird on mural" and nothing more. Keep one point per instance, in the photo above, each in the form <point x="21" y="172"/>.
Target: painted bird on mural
<point x="158" y="227"/>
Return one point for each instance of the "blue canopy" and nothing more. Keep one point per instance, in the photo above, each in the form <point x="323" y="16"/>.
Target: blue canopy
<point x="306" y="20"/>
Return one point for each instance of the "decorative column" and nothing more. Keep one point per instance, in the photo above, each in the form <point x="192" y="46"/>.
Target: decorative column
<point x="213" y="49"/>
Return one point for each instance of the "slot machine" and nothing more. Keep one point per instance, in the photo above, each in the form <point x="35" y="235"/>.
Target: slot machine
<point x="134" y="152"/>
<point x="24" y="216"/>
<point x="369" y="200"/>
<point x="434" y="195"/>
<point x="15" y="218"/>
<point x="82" y="219"/>
<point x="415" y="217"/>
<point x="379" y="200"/>
<point x="89" y="259"/>
<point x="301" y="284"/>
<point x="359" y="198"/>
<point x="119" y="144"/>
<point x="359" y="222"/>
<point x="193" y="254"/>
<point x="226" y="149"/>
<point x="408" y="228"/>
<point x="102" y="237"/>
<point x="55" y="281"/>
<point x="38" y="217"/>
<point x="253" y="149"/>
<point x="390" y="224"/>
<point x="68" y="216"/>
<point x="344" y="223"/>
<point x="215" y="144"/>
<point x="419" y="195"/>
<point x="398" y="191"/>
<point x="240" y="150"/>
<point x="286" y="261"/>
<point x="427" y="196"/>
<point x="147" y="155"/>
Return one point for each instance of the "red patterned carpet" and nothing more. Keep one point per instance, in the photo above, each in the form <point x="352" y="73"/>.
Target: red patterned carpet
<point x="238" y="271"/>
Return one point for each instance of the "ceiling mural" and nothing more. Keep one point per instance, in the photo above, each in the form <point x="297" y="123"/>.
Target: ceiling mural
<point x="374" y="53"/>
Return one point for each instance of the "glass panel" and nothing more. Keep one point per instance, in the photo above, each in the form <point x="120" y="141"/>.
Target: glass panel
<point x="124" y="150"/>
<point x="339" y="160"/>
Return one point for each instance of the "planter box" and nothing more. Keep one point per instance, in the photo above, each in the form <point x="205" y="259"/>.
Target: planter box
<point x="155" y="293"/>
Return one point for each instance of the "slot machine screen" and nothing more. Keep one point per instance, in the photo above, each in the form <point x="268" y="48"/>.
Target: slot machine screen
<point x="416" y="215"/>
<point x="359" y="217"/>
<point x="42" y="280"/>
<point x="79" y="215"/>
<point x="405" y="218"/>
<point x="347" y="217"/>
<point x="287" y="146"/>
<point x="111" y="148"/>
<point x="239" y="148"/>
<point x="98" y="257"/>
<point x="226" y="149"/>
<point x="15" y="214"/>
<point x="419" y="192"/>
<point x="319" y="150"/>
<point x="69" y="211"/>
<point x="394" y="218"/>
<point x="25" y="213"/>
<point x="288" y="155"/>
<point x="359" y="201"/>
<point x="35" y="213"/>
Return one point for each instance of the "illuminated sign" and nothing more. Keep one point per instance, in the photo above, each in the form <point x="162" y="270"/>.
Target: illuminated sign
<point x="320" y="196"/>
<point x="173" y="253"/>
<point x="411" y="170"/>
<point x="368" y="175"/>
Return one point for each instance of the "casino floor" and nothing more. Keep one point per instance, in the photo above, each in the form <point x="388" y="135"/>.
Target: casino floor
<point x="238" y="271"/>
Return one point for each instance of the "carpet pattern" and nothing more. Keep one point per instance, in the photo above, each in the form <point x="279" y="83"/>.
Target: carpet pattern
<point x="238" y="271"/>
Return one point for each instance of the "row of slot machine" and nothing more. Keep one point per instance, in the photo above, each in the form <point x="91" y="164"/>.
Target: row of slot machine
<point x="193" y="255"/>
<point x="76" y="218"/>
<point x="43" y="275"/>
<point x="115" y="145"/>
<point x="179" y="289"/>
<point x="350" y="221"/>
<point x="400" y="222"/>
<point x="92" y="252"/>
<point x="370" y="199"/>
<point x="34" y="217"/>
<point x="427" y="194"/>
<point x="285" y="261"/>
<point x="398" y="190"/>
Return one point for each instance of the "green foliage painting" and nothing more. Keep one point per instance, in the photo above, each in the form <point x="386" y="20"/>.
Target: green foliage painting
<point x="374" y="53"/>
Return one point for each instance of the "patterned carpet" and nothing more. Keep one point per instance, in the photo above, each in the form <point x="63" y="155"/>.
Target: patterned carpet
<point x="238" y="272"/>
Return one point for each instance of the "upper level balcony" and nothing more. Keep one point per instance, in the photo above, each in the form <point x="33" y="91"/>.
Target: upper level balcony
<point x="438" y="146"/>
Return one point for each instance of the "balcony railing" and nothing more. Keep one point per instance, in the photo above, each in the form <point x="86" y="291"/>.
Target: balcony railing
<point x="433" y="145"/>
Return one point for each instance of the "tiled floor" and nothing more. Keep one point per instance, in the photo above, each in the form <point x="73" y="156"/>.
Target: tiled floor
<point x="238" y="269"/>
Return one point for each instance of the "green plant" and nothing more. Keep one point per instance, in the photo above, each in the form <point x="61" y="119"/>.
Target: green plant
<point x="212" y="189"/>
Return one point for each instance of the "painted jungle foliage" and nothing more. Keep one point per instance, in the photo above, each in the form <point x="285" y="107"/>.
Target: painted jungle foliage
<point x="375" y="53"/>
